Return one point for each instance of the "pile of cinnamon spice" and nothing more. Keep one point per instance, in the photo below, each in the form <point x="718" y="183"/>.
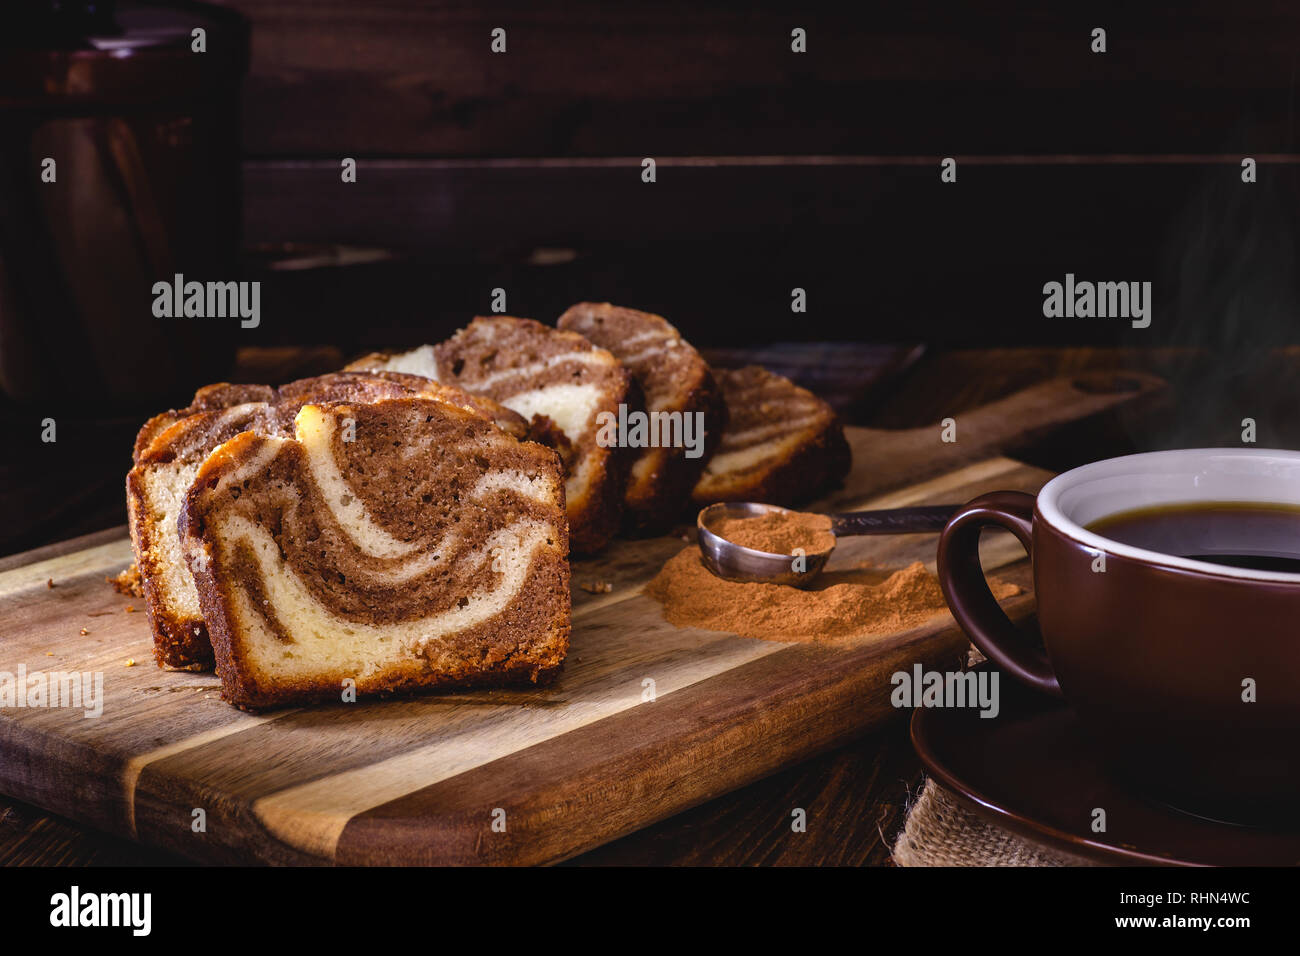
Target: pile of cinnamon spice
<point x="841" y="605"/>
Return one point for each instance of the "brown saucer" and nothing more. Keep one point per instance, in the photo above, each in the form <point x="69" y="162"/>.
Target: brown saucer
<point x="1032" y="771"/>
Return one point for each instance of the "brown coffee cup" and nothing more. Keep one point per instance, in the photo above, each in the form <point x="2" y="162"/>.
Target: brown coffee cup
<point x="1185" y="673"/>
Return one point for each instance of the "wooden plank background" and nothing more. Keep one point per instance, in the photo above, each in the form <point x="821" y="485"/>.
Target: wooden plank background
<point x="885" y="253"/>
<point x="820" y="170"/>
<point x="586" y="78"/>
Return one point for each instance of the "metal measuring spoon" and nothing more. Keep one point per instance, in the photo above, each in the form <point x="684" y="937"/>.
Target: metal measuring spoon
<point x="735" y="562"/>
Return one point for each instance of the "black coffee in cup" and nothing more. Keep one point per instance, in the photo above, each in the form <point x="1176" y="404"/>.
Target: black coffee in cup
<point x="1238" y="534"/>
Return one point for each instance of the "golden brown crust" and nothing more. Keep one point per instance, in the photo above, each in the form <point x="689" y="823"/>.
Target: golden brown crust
<point x="208" y="398"/>
<point x="371" y="384"/>
<point x="151" y="430"/>
<point x="178" y="644"/>
<point x="227" y="395"/>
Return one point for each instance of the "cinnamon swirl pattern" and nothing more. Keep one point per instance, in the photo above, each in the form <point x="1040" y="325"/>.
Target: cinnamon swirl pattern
<point x="555" y="378"/>
<point x="782" y="443"/>
<point x="676" y="381"/>
<point x="390" y="546"/>
<point x="171" y="447"/>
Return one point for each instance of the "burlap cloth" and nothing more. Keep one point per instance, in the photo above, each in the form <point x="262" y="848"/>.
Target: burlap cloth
<point x="939" y="831"/>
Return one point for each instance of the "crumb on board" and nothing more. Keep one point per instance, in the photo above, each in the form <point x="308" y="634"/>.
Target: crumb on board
<point x="130" y="662"/>
<point x="49" y="582"/>
<point x="49" y="653"/>
<point x="130" y="609"/>
<point x="596" y="587"/>
<point x="84" y="632"/>
<point x="128" y="582"/>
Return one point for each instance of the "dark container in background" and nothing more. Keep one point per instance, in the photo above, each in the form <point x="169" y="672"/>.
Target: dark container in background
<point x="145" y="135"/>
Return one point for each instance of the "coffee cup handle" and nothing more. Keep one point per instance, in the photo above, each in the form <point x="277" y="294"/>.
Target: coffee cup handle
<point x="968" y="594"/>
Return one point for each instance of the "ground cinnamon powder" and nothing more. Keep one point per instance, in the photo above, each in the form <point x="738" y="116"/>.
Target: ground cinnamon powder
<point x="779" y="532"/>
<point x="861" y="602"/>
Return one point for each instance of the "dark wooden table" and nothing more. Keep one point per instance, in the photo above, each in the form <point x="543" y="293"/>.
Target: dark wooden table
<point x="855" y="797"/>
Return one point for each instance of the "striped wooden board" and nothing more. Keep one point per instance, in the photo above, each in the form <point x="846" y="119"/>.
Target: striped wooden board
<point x="424" y="780"/>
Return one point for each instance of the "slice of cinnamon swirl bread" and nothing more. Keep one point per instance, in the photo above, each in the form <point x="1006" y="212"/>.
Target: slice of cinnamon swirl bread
<point x="155" y="490"/>
<point x="782" y="443"/>
<point x="684" y="410"/>
<point x="391" y="546"/>
<point x="172" y="446"/>
<point x="556" y="379"/>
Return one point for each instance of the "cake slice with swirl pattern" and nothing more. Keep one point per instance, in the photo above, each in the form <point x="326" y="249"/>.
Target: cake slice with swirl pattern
<point x="782" y="444"/>
<point x="681" y="400"/>
<point x="404" y="544"/>
<point x="558" y="380"/>
<point x="171" y="447"/>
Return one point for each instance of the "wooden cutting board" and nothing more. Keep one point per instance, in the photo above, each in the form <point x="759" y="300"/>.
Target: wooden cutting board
<point x="431" y="780"/>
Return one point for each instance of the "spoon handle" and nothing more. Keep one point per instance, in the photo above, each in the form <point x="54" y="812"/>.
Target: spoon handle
<point x="928" y="518"/>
